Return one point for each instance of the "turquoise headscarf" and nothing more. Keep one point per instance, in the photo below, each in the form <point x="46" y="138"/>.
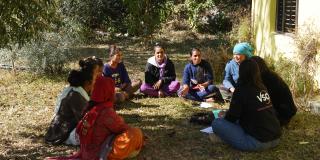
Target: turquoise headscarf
<point x="243" y="48"/>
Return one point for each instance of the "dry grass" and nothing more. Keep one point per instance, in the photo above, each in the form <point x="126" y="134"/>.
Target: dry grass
<point x="27" y="103"/>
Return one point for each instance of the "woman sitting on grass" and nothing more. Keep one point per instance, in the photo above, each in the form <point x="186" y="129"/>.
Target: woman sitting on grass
<point x="71" y="103"/>
<point x="103" y="133"/>
<point x="251" y="123"/>
<point x="160" y="75"/>
<point x="197" y="79"/>
<point x="116" y="69"/>
<point x="241" y="51"/>
<point x="279" y="91"/>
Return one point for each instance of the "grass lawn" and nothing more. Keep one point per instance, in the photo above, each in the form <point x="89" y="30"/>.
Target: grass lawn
<point x="27" y="102"/>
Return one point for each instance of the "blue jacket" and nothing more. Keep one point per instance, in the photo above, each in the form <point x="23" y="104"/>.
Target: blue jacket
<point x="191" y="72"/>
<point x="231" y="74"/>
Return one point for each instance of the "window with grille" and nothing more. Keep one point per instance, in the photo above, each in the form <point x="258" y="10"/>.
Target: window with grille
<point x="287" y="11"/>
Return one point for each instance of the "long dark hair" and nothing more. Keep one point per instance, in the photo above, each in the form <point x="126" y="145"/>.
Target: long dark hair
<point x="265" y="71"/>
<point x="249" y="74"/>
<point x="262" y="64"/>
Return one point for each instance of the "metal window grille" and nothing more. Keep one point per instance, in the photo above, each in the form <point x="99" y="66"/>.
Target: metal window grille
<point x="287" y="11"/>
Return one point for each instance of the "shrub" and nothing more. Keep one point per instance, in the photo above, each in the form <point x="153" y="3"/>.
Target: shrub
<point x="96" y="14"/>
<point x="53" y="52"/>
<point x="300" y="82"/>
<point x="10" y="58"/>
<point x="307" y="43"/>
<point x="205" y="17"/>
<point x="300" y="75"/>
<point x="218" y="59"/>
<point x="214" y="21"/>
<point x="241" y="32"/>
<point x="178" y="20"/>
<point x="144" y="17"/>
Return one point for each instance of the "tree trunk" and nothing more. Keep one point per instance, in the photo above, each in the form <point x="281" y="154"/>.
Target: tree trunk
<point x="13" y="59"/>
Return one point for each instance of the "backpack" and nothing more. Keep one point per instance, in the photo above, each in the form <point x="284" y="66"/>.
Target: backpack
<point x="85" y="126"/>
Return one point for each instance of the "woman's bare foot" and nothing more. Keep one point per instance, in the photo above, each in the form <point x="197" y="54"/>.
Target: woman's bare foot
<point x="209" y="100"/>
<point x="160" y="94"/>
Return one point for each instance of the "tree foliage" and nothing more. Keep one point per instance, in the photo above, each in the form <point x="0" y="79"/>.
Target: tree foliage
<point x="21" y="21"/>
<point x="136" y="17"/>
<point x="56" y="49"/>
<point x="101" y="14"/>
<point x="145" y="16"/>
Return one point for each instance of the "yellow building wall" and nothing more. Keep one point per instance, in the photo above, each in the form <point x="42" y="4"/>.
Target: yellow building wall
<point x="270" y="43"/>
<point x="263" y="16"/>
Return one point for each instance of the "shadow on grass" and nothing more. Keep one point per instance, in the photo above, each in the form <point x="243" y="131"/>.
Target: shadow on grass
<point x="129" y="105"/>
<point x="30" y="145"/>
<point x="37" y="150"/>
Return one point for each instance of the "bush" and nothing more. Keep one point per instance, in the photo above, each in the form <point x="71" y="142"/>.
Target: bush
<point x="96" y="14"/>
<point x="217" y="59"/>
<point x="300" y="82"/>
<point x="205" y="17"/>
<point x="307" y="43"/>
<point x="178" y="19"/>
<point x="241" y="32"/>
<point x="11" y="58"/>
<point x="53" y="52"/>
<point x="134" y="17"/>
<point x="214" y="21"/>
<point x="144" y="17"/>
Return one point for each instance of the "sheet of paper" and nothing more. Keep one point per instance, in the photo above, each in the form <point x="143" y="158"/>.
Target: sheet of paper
<point x="207" y="130"/>
<point x="205" y="105"/>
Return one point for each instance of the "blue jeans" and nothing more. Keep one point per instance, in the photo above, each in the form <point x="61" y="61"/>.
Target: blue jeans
<point x="198" y="95"/>
<point x="233" y="134"/>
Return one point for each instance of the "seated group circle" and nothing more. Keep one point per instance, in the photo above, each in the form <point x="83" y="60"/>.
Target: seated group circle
<point x="85" y="112"/>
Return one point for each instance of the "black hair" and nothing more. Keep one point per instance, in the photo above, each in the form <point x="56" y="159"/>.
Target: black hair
<point x="99" y="61"/>
<point x="78" y="78"/>
<point x="249" y="74"/>
<point x="88" y="64"/>
<point x="158" y="45"/>
<point x="261" y="63"/>
<point x="194" y="49"/>
<point x="113" y="50"/>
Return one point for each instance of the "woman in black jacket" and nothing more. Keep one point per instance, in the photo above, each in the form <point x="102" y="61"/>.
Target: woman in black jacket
<point x="279" y="91"/>
<point x="160" y="75"/>
<point x="251" y="123"/>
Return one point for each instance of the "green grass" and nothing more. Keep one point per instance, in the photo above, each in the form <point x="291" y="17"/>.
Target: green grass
<point x="27" y="102"/>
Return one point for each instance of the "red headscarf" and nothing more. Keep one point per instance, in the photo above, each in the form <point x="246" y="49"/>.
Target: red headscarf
<point x="103" y="91"/>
